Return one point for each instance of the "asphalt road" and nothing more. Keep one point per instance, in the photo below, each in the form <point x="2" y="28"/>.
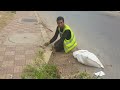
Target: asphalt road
<point x="98" y="32"/>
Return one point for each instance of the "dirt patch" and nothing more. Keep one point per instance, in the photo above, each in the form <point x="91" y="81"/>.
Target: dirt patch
<point x="5" y="18"/>
<point x="67" y="65"/>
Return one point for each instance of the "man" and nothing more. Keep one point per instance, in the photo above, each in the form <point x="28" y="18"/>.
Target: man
<point x="67" y="41"/>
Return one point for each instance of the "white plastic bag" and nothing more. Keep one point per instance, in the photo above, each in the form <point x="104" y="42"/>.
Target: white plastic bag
<point x="87" y="58"/>
<point x="100" y="73"/>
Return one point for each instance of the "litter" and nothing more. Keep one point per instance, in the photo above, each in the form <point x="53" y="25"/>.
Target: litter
<point x="101" y="73"/>
<point x="87" y="58"/>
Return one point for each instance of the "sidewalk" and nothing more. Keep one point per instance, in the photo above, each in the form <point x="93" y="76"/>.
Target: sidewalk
<point x="19" y="43"/>
<point x="112" y="13"/>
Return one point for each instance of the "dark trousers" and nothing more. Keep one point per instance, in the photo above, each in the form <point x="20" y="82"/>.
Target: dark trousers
<point x="59" y="46"/>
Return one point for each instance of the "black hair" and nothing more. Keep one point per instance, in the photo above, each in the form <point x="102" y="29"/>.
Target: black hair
<point x="60" y="18"/>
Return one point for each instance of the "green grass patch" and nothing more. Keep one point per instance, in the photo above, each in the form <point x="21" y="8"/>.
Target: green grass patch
<point x="5" y="18"/>
<point x="86" y="75"/>
<point x="44" y="71"/>
<point x="40" y="70"/>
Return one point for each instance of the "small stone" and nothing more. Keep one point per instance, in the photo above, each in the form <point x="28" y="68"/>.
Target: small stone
<point x="69" y="61"/>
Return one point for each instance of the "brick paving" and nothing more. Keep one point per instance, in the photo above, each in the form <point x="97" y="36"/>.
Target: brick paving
<point x="14" y="57"/>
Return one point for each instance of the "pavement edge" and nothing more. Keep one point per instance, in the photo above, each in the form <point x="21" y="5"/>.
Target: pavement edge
<point x="48" y="50"/>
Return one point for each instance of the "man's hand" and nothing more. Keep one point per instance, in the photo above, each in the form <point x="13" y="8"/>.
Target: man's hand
<point x="47" y="43"/>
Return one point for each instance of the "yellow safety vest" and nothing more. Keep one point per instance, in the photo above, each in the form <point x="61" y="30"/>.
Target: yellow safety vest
<point x="71" y="43"/>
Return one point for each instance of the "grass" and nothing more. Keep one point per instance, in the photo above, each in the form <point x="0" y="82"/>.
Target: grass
<point x="45" y="71"/>
<point x="13" y="12"/>
<point x="5" y="18"/>
<point x="81" y="75"/>
<point x="85" y="75"/>
<point x="40" y="70"/>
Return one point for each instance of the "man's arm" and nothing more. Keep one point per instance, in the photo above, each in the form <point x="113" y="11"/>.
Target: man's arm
<point x="55" y="36"/>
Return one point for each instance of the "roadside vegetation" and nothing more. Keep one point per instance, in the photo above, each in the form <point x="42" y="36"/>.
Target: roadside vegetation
<point x="40" y="70"/>
<point x="5" y="18"/>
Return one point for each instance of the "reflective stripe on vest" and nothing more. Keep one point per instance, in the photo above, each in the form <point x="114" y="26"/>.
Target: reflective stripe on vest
<point x="70" y="40"/>
<point x="70" y="48"/>
<point x="71" y="43"/>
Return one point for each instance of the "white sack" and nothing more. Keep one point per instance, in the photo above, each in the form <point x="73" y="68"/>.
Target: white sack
<point x="87" y="58"/>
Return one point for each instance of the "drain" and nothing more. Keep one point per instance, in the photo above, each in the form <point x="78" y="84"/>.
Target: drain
<point x="28" y="20"/>
<point x="24" y="38"/>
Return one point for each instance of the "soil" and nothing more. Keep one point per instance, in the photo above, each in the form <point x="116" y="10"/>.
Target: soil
<point x="67" y="65"/>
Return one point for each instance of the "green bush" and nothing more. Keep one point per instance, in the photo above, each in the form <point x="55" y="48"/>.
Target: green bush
<point x="40" y="70"/>
<point x="45" y="71"/>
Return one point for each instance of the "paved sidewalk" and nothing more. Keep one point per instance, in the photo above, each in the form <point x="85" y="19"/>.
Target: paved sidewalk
<point x="15" y="56"/>
<point x="112" y="13"/>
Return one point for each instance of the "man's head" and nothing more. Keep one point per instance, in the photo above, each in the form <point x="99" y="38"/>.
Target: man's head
<point x="60" y="21"/>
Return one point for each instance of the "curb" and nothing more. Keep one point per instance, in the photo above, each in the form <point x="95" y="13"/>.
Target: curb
<point x="113" y="13"/>
<point x="118" y="11"/>
<point x="48" y="51"/>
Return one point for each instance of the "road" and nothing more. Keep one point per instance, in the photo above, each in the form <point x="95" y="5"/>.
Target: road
<point x="98" y="32"/>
